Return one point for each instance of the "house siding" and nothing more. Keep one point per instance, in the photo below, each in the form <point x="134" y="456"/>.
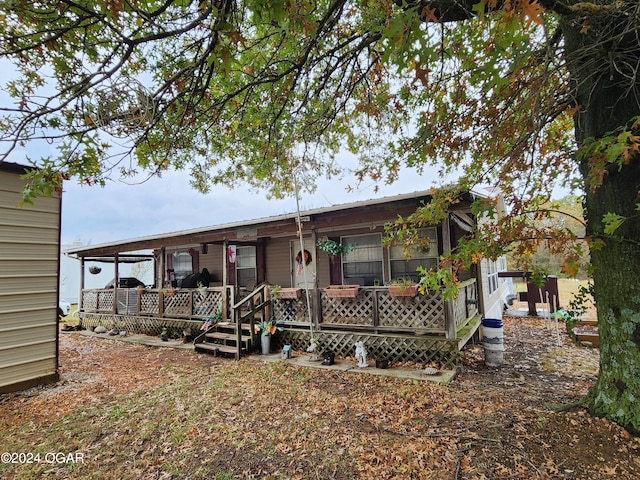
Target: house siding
<point x="29" y="259"/>
<point x="212" y="261"/>
<point x="278" y="263"/>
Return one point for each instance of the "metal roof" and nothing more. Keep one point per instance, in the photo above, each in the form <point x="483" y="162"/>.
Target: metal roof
<point x="119" y="244"/>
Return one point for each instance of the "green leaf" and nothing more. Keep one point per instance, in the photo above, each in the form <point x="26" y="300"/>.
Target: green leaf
<point x="612" y="222"/>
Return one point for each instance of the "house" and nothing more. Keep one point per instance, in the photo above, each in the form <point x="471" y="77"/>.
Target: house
<point x="29" y="271"/>
<point x="334" y="299"/>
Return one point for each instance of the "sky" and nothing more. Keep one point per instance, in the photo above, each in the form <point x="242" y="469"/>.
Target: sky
<point x="118" y="211"/>
<point x="94" y="215"/>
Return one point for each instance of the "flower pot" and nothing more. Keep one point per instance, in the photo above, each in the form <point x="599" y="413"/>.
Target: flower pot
<point x="265" y="342"/>
<point x="289" y="293"/>
<point x="403" y="290"/>
<point x="95" y="270"/>
<point x="342" y="291"/>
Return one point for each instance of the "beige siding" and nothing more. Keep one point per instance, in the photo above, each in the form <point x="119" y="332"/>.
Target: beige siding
<point x="25" y="319"/>
<point x="322" y="268"/>
<point x="278" y="269"/>
<point x="26" y="285"/>
<point x="29" y="256"/>
<point x="212" y="261"/>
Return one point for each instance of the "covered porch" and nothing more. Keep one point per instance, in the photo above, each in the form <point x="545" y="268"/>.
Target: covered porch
<point x="418" y="328"/>
<point x="336" y="295"/>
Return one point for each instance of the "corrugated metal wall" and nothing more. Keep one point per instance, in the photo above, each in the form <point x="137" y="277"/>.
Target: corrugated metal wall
<point x="29" y="256"/>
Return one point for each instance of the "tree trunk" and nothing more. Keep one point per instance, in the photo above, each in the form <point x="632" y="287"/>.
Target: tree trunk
<point x="608" y="100"/>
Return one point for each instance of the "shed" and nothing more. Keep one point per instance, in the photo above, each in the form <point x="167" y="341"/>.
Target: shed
<point x="29" y="279"/>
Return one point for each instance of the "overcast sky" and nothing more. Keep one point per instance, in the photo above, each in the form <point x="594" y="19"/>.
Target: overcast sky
<point x="94" y="215"/>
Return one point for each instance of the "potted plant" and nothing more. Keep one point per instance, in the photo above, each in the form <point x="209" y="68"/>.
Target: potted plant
<point x="274" y="291"/>
<point x="94" y="269"/>
<point x="267" y="328"/>
<point x="403" y="287"/>
<point x="168" y="291"/>
<point x="202" y="290"/>
<point x="342" y="291"/>
<point x="277" y="292"/>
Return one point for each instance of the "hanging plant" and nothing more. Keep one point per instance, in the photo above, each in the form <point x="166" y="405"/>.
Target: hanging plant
<point x="94" y="269"/>
<point x="334" y="248"/>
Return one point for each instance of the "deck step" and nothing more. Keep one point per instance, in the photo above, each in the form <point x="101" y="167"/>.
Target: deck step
<point x="588" y="322"/>
<point x="217" y="348"/>
<point x="227" y="336"/>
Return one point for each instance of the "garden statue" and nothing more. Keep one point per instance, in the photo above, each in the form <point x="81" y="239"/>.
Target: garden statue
<point x="361" y="355"/>
<point x="313" y="350"/>
<point x="328" y="358"/>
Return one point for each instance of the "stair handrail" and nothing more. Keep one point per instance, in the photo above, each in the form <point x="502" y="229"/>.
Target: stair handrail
<point x="265" y="300"/>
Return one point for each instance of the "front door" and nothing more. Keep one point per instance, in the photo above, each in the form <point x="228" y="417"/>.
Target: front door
<point x="303" y="264"/>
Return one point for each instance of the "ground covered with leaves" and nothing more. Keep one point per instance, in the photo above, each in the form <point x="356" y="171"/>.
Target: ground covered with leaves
<point x="127" y="411"/>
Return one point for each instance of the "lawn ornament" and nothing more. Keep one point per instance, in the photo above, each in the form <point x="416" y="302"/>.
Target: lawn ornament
<point x="328" y="358"/>
<point x="361" y="355"/>
<point x="313" y="350"/>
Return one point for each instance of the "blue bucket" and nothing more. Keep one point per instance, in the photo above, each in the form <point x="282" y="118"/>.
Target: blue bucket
<point x="492" y="322"/>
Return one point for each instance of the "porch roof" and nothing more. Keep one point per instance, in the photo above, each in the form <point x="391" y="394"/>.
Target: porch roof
<point x="217" y="233"/>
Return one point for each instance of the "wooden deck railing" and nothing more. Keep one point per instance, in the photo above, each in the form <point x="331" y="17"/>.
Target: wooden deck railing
<point x="185" y="303"/>
<point x="373" y="309"/>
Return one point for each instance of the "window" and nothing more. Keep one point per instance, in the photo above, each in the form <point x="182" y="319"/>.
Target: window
<point x="495" y="266"/>
<point x="363" y="264"/>
<point x="182" y="265"/>
<point x="424" y="256"/>
<point x="245" y="265"/>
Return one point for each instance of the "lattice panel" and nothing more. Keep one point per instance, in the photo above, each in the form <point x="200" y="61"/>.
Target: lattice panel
<point x="105" y="300"/>
<point x="206" y="304"/>
<point x="426" y="350"/>
<point x="177" y="304"/>
<point x="421" y="311"/>
<point x="349" y="311"/>
<point x="149" y="303"/>
<point x="90" y="300"/>
<point x="460" y="308"/>
<point x="142" y="325"/>
<point x="291" y="309"/>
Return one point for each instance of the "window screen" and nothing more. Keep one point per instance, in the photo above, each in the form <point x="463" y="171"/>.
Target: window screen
<point x="363" y="264"/>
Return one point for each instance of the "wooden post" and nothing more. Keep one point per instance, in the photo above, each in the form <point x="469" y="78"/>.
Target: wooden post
<point x="82" y="279"/>
<point x="449" y="318"/>
<point x="225" y="263"/>
<point x="116" y="283"/>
